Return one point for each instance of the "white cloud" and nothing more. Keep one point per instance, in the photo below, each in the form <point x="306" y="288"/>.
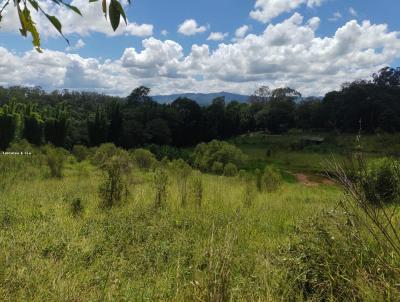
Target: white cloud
<point x="336" y="16"/>
<point x="190" y="27"/>
<point x="241" y="31"/>
<point x="164" y="32"/>
<point x="78" y="45"/>
<point x="92" y="21"/>
<point x="217" y="36"/>
<point x="266" y="10"/>
<point x="353" y="12"/>
<point x="285" y="54"/>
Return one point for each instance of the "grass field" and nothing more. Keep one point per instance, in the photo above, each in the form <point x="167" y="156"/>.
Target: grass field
<point x="227" y="249"/>
<point x="137" y="253"/>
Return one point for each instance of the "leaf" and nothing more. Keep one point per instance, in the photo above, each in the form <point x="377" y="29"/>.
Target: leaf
<point x="74" y="8"/>
<point x="57" y="24"/>
<point x="90" y="1"/>
<point x="29" y="26"/>
<point x="104" y="7"/>
<point x="34" y="4"/>
<point x="114" y="14"/>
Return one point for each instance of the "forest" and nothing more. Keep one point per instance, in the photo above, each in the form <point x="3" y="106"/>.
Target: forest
<point x="67" y="118"/>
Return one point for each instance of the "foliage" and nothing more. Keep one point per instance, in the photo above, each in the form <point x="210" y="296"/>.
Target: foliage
<point x="160" y="183"/>
<point x="55" y="159"/>
<point x="114" y="11"/>
<point x="9" y="123"/>
<point x="331" y="259"/>
<point x="230" y="170"/>
<point x="67" y="118"/>
<point x="182" y="172"/>
<point x="114" y="188"/>
<point x="143" y="159"/>
<point x="80" y="152"/>
<point x="271" y="179"/>
<point x="197" y="188"/>
<point x="210" y="156"/>
<point x="381" y="182"/>
<point x="76" y="207"/>
<point x="105" y="152"/>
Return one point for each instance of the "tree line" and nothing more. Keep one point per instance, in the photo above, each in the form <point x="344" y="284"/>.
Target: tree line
<point x="67" y="118"/>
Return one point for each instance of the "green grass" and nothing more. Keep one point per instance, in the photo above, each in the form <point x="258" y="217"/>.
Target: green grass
<point x="283" y="151"/>
<point x="137" y="253"/>
<point x="223" y="251"/>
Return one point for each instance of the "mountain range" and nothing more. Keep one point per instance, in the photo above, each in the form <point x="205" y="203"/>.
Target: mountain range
<point x="201" y="98"/>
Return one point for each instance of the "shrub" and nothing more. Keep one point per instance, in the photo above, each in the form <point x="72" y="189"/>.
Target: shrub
<point x="182" y="172"/>
<point x="76" y="207"/>
<point x="80" y="152"/>
<point x="160" y="186"/>
<point x="206" y="154"/>
<point x="331" y="259"/>
<point x="230" y="170"/>
<point x="55" y="159"/>
<point x="105" y="152"/>
<point x="9" y="170"/>
<point x="217" y="167"/>
<point x="249" y="194"/>
<point x="271" y="180"/>
<point x="114" y="187"/>
<point x="143" y="159"/>
<point x="197" y="188"/>
<point x="381" y="182"/>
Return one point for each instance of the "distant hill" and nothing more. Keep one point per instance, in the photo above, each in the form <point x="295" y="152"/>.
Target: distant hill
<point x="201" y="98"/>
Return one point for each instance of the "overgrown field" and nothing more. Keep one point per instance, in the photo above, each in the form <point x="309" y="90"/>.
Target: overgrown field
<point x="204" y="238"/>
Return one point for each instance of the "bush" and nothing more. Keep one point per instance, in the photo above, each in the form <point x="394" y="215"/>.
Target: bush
<point x="182" y="172"/>
<point x="104" y="153"/>
<point x="114" y="188"/>
<point x="80" y="152"/>
<point x="55" y="159"/>
<point x="331" y="259"/>
<point x="143" y="159"/>
<point x="249" y="194"/>
<point x="197" y="188"/>
<point x="206" y="154"/>
<point x="271" y="180"/>
<point x="160" y="187"/>
<point x="76" y="207"/>
<point x="381" y="182"/>
<point x="217" y="167"/>
<point x="230" y="170"/>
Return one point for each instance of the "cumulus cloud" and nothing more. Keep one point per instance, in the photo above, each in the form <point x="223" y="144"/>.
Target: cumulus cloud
<point x="266" y="10"/>
<point x="92" y="21"/>
<point x="217" y="36"/>
<point x="190" y="27"/>
<point x="286" y="54"/>
<point x="241" y="31"/>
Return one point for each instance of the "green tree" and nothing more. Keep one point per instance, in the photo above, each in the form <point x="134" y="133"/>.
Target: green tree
<point x="97" y="128"/>
<point x="56" y="127"/>
<point x="9" y="124"/>
<point x="33" y="126"/>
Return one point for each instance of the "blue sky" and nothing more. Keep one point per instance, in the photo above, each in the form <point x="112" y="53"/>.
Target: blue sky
<point x="288" y="43"/>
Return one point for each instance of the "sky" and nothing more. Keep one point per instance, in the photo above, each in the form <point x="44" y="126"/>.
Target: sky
<point x="179" y="46"/>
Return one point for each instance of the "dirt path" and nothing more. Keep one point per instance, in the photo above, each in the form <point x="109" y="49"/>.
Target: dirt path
<point x="305" y="180"/>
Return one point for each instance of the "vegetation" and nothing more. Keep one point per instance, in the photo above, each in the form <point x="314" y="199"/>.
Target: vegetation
<point x="137" y="203"/>
<point x="66" y="119"/>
